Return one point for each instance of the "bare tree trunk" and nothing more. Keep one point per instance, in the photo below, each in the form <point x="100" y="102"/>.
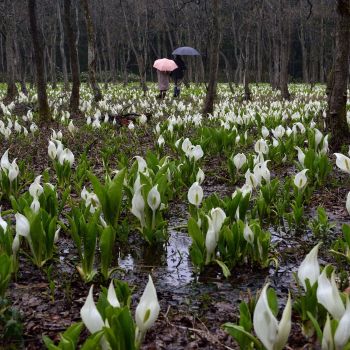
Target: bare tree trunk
<point x="91" y="51"/>
<point x="214" y="58"/>
<point x="73" y="54"/>
<point x="321" y="54"/>
<point x="303" y="45"/>
<point x="139" y="48"/>
<point x="336" y="114"/>
<point x="259" y="49"/>
<point x="246" y="79"/>
<point x="285" y="46"/>
<point x="21" y="66"/>
<point x="52" y="58"/>
<point x="228" y="72"/>
<point x="276" y="54"/>
<point x="111" y="57"/>
<point x="63" y="55"/>
<point x="77" y="31"/>
<point x="2" y="65"/>
<point x="10" y="27"/>
<point x="44" y="110"/>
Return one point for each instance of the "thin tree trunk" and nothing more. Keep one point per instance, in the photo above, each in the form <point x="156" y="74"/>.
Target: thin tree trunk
<point x="336" y="114"/>
<point x="73" y="54"/>
<point x="21" y="67"/>
<point x="246" y="78"/>
<point x="63" y="54"/>
<point x="214" y="58"/>
<point x="285" y="45"/>
<point x="44" y="110"/>
<point x="10" y="27"/>
<point x="138" y="50"/>
<point x="91" y="51"/>
<point x="303" y="45"/>
<point x="259" y="49"/>
<point x="228" y="72"/>
<point x="77" y="31"/>
<point x="276" y="54"/>
<point x="322" y="51"/>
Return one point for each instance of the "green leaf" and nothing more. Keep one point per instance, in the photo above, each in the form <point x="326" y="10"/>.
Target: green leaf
<point x="115" y="196"/>
<point x="195" y="233"/>
<point x="73" y="333"/>
<point x="225" y="269"/>
<point x="93" y="342"/>
<point x="316" y="326"/>
<point x="235" y="331"/>
<point x="346" y="233"/>
<point x="106" y="245"/>
<point x="272" y="300"/>
<point x="100" y="192"/>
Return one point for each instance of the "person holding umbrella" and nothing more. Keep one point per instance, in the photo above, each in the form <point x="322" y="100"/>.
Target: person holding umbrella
<point x="178" y="74"/>
<point x="164" y="66"/>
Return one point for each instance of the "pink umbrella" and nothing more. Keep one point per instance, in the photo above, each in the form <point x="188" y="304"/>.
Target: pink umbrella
<point x="165" y="65"/>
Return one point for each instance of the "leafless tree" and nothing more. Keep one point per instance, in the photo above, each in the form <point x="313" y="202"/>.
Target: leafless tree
<point x="91" y="51"/>
<point x="73" y="55"/>
<point x="337" y="88"/>
<point x="44" y="110"/>
<point x="215" y="39"/>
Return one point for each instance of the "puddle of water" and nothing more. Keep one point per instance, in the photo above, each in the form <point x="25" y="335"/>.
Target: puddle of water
<point x="172" y="265"/>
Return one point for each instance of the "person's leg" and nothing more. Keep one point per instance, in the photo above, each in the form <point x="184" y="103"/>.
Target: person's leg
<point x="178" y="88"/>
<point x="175" y="87"/>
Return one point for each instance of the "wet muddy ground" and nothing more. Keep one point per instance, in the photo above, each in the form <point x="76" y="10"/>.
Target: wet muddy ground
<point x="193" y="307"/>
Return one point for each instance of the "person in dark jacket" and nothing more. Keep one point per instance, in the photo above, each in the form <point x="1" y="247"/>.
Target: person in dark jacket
<point x="178" y="74"/>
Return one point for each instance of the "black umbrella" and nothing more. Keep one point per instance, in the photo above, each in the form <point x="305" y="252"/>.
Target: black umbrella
<point x="186" y="51"/>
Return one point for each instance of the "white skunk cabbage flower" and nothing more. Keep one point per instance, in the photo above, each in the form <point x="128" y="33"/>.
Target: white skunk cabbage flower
<point x="153" y="198"/>
<point x="195" y="194"/>
<point x="318" y="137"/>
<point x="112" y="296"/>
<point x="22" y="225"/>
<point x="348" y="203"/>
<point x="309" y="268"/>
<point x="147" y="310"/>
<point x="196" y="152"/>
<point x="138" y="206"/>
<point x="300" y="179"/>
<point x="200" y="176"/>
<point x="3" y="223"/>
<point x="4" y="162"/>
<point x="273" y="334"/>
<point x="239" y="160"/>
<point x="66" y="156"/>
<point x="35" y="189"/>
<point x="248" y="234"/>
<point x="301" y="155"/>
<point x="251" y="179"/>
<point x="265" y="132"/>
<point x="35" y="205"/>
<point x="343" y="162"/>
<point x="342" y="334"/>
<point x="186" y="145"/>
<point x="327" y="338"/>
<point x="142" y="165"/>
<point x="261" y="146"/>
<point x="52" y="150"/>
<point x="328" y="295"/>
<point x="90" y="315"/>
<point x="210" y="240"/>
